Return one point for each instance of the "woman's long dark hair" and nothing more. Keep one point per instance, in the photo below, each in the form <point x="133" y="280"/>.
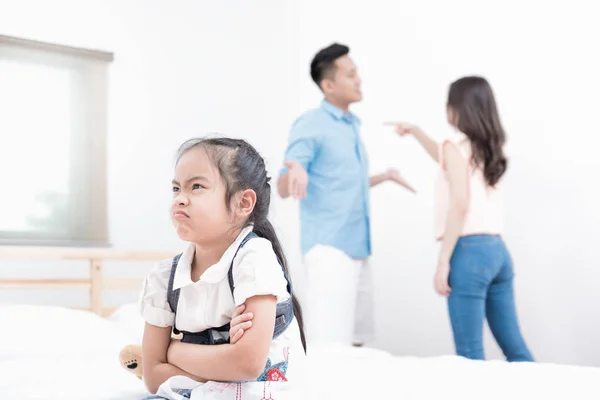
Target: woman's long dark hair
<point x="472" y="101"/>
<point x="241" y="168"/>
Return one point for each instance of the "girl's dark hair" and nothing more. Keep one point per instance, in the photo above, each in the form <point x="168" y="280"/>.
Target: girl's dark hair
<point x="472" y="99"/>
<point x="241" y="168"/>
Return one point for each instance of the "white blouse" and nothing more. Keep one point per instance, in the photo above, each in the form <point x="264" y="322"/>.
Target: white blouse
<point x="208" y="303"/>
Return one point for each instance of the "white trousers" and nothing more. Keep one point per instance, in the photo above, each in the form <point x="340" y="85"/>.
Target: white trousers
<point x="339" y="297"/>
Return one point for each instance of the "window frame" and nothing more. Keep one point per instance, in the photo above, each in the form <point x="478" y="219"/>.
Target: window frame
<point x="88" y="170"/>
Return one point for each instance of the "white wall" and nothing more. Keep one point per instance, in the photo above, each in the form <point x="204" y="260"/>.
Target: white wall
<point x="179" y="71"/>
<point x="192" y="68"/>
<point x="541" y="60"/>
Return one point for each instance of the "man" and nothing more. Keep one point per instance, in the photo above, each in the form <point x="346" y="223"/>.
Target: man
<point x="326" y="167"/>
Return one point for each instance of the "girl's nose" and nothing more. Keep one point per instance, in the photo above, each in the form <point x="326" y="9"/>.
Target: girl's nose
<point x="181" y="199"/>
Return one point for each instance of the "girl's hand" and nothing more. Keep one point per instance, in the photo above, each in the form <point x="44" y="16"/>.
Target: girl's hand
<point x="441" y="279"/>
<point x="403" y="128"/>
<point x="239" y="323"/>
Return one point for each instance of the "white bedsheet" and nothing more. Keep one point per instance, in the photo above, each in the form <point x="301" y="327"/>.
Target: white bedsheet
<point x="68" y="378"/>
<point x="332" y="372"/>
<point x="335" y="373"/>
<point x="368" y="374"/>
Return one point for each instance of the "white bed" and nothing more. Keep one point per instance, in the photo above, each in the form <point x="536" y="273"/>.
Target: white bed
<point x="75" y="356"/>
<point x="58" y="353"/>
<point x="54" y="353"/>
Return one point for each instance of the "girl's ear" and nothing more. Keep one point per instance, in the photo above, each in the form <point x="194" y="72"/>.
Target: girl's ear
<point x="246" y="202"/>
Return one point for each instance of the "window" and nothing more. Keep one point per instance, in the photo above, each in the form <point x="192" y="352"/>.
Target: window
<point x="53" y="122"/>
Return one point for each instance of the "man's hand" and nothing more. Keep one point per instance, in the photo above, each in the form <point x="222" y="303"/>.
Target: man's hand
<point x="297" y="179"/>
<point x="393" y="175"/>
<point x="239" y="323"/>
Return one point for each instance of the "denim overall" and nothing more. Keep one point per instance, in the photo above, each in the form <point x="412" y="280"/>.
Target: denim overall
<point x="284" y="313"/>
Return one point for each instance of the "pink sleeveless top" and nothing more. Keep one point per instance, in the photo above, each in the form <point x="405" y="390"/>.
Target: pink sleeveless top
<point x="485" y="213"/>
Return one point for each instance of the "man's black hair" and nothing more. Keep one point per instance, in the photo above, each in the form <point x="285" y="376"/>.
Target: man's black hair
<point x="323" y="64"/>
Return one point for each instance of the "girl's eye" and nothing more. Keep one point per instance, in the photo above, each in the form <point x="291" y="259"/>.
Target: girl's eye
<point x="175" y="189"/>
<point x="196" y="186"/>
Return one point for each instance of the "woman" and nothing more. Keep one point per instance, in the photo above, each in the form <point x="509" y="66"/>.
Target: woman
<point x="474" y="268"/>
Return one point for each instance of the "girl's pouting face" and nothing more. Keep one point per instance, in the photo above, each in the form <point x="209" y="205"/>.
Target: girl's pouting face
<point x="199" y="212"/>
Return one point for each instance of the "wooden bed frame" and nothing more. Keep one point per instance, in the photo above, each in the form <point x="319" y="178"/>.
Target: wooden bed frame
<point x="96" y="283"/>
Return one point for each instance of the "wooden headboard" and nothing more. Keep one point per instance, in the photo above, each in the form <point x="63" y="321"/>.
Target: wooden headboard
<point x="96" y="283"/>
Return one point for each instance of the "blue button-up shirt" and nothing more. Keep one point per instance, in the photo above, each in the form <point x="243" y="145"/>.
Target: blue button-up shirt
<point x="335" y="212"/>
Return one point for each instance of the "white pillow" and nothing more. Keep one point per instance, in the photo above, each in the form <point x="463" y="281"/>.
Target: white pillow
<point x="48" y="331"/>
<point x="129" y="320"/>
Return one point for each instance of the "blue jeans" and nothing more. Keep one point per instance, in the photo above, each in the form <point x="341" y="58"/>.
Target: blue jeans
<point x="481" y="278"/>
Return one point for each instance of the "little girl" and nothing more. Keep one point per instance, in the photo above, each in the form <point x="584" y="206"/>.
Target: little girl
<point x="221" y="196"/>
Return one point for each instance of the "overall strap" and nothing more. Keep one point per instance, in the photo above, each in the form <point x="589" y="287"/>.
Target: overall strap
<point x="251" y="235"/>
<point x="173" y="295"/>
<point x="284" y="314"/>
